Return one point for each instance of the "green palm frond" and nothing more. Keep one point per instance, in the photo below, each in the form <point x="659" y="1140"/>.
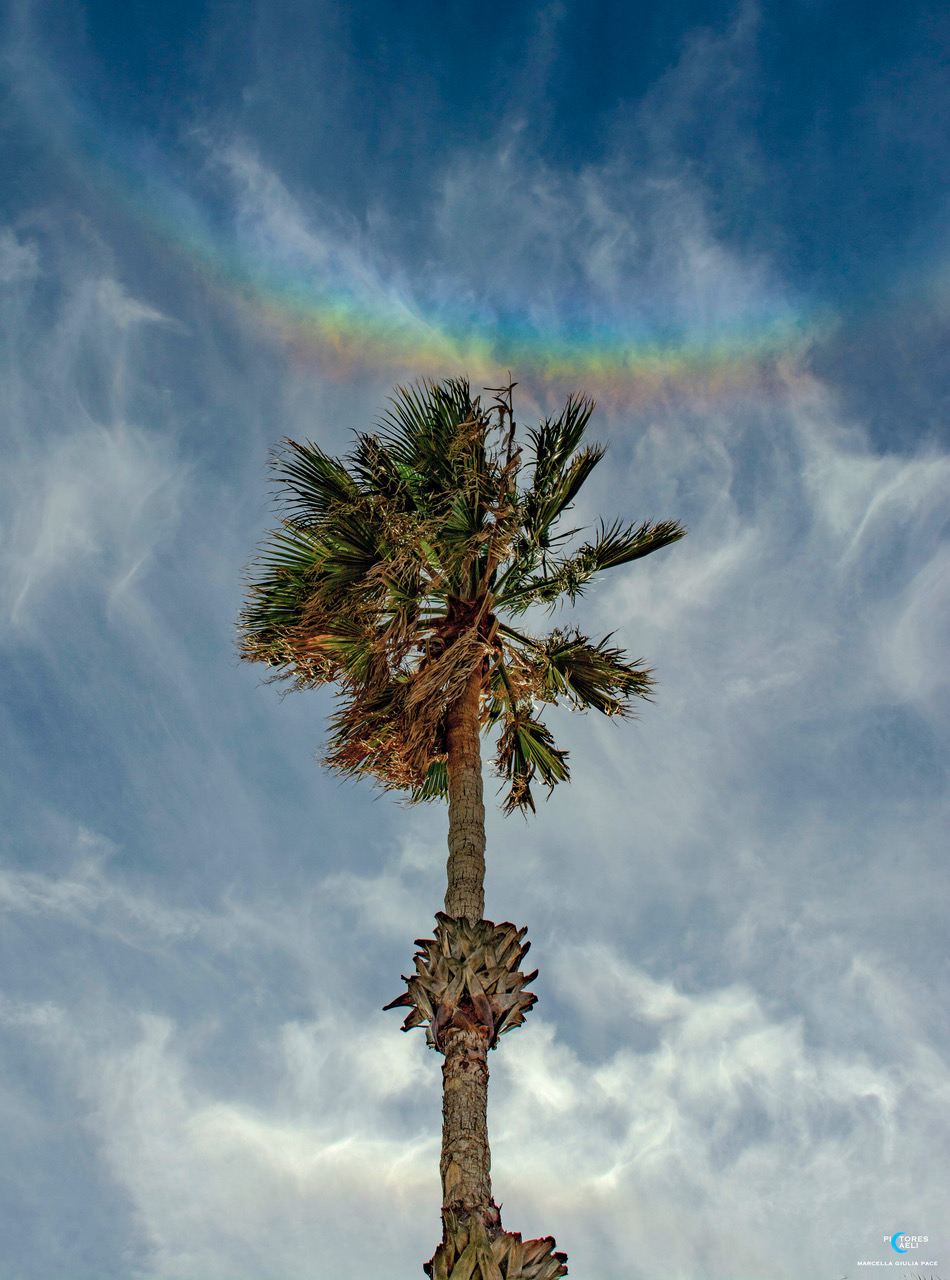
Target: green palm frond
<point x="526" y="750"/>
<point x="435" y="785"/>
<point x="618" y="544"/>
<point x="312" y="482"/>
<point x="615" y="545"/>
<point x="565" y="664"/>
<point x="559" y="472"/>
<point x="555" y="442"/>
<point x="436" y="431"/>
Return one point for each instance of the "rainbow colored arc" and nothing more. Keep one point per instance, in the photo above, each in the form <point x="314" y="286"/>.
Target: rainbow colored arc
<point x="349" y="330"/>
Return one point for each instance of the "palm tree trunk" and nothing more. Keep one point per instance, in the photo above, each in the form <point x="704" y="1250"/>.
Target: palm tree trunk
<point x="466" y="1157"/>
<point x="465" y="894"/>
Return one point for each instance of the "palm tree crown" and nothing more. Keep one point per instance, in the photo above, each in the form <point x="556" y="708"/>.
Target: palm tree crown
<point x="398" y="574"/>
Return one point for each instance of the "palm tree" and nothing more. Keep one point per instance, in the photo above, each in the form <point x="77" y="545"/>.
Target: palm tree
<point x="398" y="574"/>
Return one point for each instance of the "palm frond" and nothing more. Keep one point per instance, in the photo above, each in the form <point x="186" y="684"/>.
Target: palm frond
<point x="558" y="476"/>
<point x="554" y="441"/>
<point x="372" y="735"/>
<point x="615" y="545"/>
<point x="526" y="750"/>
<point x="424" y="429"/>
<point x="565" y="664"/>
<point x="619" y="544"/>
<point x="435" y="785"/>
<point x="311" y="482"/>
<point x="591" y="675"/>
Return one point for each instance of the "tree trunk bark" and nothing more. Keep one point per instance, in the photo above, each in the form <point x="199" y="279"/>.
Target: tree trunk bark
<point x="465" y="894"/>
<point x="465" y="1165"/>
<point x="466" y="1157"/>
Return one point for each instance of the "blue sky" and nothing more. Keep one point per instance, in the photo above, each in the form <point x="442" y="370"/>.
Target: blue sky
<point x="224" y="224"/>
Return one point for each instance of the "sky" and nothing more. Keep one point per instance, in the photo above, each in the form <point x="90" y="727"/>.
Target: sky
<point x="224" y="224"/>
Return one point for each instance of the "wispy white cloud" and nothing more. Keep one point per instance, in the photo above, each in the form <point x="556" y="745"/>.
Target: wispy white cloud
<point x="86" y="495"/>
<point x="311" y="250"/>
<point x="19" y="259"/>
<point x="92" y="509"/>
<point x="687" y="1155"/>
<point x="611" y="246"/>
<point x="85" y="895"/>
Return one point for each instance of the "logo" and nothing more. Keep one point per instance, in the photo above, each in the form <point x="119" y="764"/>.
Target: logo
<point x="901" y="1242"/>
